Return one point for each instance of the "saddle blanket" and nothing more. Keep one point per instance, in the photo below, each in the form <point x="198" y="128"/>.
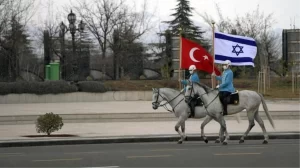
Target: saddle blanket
<point x="233" y="98"/>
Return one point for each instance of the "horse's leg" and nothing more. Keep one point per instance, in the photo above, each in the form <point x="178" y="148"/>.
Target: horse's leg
<point x="179" y="124"/>
<point x="222" y="133"/>
<point x="262" y="125"/>
<point x="223" y="129"/>
<point x="183" y="131"/>
<point x="250" y="115"/>
<point x="218" y="140"/>
<point x="206" y="121"/>
<point x="238" y="117"/>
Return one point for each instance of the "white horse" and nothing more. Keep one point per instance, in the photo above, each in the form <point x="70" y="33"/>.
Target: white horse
<point x="179" y="107"/>
<point x="248" y="100"/>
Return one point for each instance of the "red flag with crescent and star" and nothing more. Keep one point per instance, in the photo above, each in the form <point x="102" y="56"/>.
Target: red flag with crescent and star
<point x="194" y="54"/>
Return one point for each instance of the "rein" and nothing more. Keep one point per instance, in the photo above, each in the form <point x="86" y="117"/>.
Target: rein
<point x="205" y="106"/>
<point x="168" y="102"/>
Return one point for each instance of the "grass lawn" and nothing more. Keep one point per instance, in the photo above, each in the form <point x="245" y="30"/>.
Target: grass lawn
<point x="279" y="88"/>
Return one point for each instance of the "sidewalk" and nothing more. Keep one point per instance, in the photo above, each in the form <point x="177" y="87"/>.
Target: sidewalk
<point x="118" y="131"/>
<point x="112" y="107"/>
<point x="125" y="132"/>
<point x="120" y="111"/>
<point x="9" y="132"/>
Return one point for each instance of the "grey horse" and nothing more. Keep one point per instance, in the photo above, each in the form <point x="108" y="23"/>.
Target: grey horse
<point x="248" y="100"/>
<point x="179" y="107"/>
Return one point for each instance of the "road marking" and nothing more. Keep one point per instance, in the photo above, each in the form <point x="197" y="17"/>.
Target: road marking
<point x="103" y="167"/>
<point x="221" y="154"/>
<point x="11" y="153"/>
<point x="3" y="155"/>
<point x="254" y="146"/>
<point x="163" y="150"/>
<point x="74" y="153"/>
<point x="155" y="156"/>
<point x="54" y="160"/>
<point x="284" y="144"/>
<point x="235" y="146"/>
<point x="246" y="147"/>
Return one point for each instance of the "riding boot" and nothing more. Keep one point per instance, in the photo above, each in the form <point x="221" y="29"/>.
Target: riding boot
<point x="193" y="109"/>
<point x="192" y="106"/>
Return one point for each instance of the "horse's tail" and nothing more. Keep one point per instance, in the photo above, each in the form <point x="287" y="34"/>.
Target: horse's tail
<point x="266" y="110"/>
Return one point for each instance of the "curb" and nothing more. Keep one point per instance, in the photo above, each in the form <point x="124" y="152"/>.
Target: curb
<point x="139" y="139"/>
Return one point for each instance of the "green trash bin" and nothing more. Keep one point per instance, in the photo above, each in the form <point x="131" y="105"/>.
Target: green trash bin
<point x="54" y="71"/>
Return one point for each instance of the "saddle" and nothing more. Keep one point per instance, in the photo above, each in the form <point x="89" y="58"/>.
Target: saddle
<point x="233" y="98"/>
<point x="196" y="101"/>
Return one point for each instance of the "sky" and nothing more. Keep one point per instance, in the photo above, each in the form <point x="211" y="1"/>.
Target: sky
<point x="285" y="12"/>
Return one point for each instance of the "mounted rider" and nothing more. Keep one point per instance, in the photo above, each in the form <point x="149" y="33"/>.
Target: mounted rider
<point x="226" y="87"/>
<point x="193" y="78"/>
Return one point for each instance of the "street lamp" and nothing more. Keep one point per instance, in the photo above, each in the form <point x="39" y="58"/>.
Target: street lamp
<point x="81" y="26"/>
<point x="63" y="31"/>
<point x="72" y="28"/>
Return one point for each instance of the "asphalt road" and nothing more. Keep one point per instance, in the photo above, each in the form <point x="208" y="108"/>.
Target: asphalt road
<point x="278" y="153"/>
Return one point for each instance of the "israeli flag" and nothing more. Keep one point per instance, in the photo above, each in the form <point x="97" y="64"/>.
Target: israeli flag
<point x="239" y="50"/>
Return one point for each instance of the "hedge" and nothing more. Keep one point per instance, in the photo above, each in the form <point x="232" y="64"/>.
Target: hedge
<point x="52" y="87"/>
<point x="92" y="86"/>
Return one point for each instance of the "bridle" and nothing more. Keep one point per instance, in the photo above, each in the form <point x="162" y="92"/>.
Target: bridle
<point x="192" y="91"/>
<point x="156" y="103"/>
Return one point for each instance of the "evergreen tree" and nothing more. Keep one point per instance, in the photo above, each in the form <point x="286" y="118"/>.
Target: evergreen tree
<point x="128" y="53"/>
<point x="182" y="23"/>
<point x="17" y="52"/>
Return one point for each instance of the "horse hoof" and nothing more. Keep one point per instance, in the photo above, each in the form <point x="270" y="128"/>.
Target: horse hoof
<point x="179" y="142"/>
<point x="242" y="141"/>
<point x="206" y="141"/>
<point x="265" y="142"/>
<point x="217" y="141"/>
<point x="224" y="143"/>
<point x="186" y="139"/>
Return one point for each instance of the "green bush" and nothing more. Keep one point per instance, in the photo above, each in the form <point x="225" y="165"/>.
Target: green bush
<point x="92" y="86"/>
<point x="89" y="78"/>
<point x="48" y="123"/>
<point x="48" y="87"/>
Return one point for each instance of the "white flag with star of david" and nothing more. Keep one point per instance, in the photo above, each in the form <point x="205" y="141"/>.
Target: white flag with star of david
<point x="239" y="50"/>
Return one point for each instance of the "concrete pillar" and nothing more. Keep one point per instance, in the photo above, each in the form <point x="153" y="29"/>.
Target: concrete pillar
<point x="175" y="56"/>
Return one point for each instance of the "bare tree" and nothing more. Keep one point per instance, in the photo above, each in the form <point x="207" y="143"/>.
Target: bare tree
<point x="104" y="16"/>
<point x="99" y="16"/>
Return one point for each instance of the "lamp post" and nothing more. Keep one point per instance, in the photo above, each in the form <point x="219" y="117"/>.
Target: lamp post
<point x="72" y="28"/>
<point x="63" y="60"/>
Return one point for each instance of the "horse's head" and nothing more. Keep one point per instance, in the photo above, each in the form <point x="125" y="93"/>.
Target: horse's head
<point x="156" y="98"/>
<point x="194" y="88"/>
<point x="189" y="92"/>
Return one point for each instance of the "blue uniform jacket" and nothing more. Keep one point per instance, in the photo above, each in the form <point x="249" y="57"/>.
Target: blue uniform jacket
<point x="193" y="78"/>
<point x="226" y="81"/>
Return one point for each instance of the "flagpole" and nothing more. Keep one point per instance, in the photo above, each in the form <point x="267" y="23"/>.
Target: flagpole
<point x="180" y="55"/>
<point x="213" y="53"/>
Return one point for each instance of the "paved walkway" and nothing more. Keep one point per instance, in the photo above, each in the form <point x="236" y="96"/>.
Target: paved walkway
<point x="89" y="130"/>
<point x="106" y="129"/>
<point x="112" y="107"/>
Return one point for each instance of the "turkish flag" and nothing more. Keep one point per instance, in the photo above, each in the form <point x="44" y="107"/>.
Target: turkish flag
<point x="194" y="54"/>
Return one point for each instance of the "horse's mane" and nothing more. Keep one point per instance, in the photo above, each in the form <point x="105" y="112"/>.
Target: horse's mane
<point x="205" y="87"/>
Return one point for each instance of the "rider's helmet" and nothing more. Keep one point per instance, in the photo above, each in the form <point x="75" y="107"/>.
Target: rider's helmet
<point x="226" y="64"/>
<point x="192" y="68"/>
